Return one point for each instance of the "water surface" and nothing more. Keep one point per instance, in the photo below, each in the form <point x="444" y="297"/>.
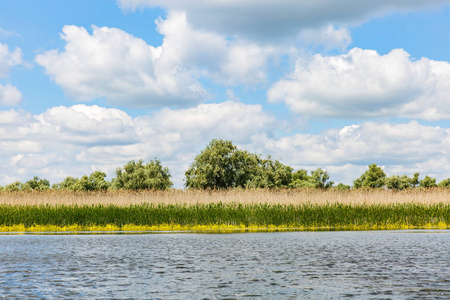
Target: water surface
<point x="281" y="265"/>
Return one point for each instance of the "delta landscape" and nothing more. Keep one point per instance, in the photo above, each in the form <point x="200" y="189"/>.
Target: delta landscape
<point x="224" y="149"/>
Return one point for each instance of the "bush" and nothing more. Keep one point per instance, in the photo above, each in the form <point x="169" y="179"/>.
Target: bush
<point x="140" y="176"/>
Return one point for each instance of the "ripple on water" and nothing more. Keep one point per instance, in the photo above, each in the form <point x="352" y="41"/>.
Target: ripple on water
<point x="375" y="264"/>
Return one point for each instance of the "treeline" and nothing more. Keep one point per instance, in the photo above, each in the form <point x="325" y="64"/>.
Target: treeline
<point x="221" y="165"/>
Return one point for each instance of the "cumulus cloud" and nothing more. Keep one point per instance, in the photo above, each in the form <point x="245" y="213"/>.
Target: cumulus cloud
<point x="127" y="71"/>
<point x="328" y="37"/>
<point x="9" y="59"/>
<point x="9" y="95"/>
<point x="346" y="152"/>
<point x="114" y="64"/>
<point x="77" y="140"/>
<point x="275" y="20"/>
<point x="80" y="139"/>
<point x="363" y="83"/>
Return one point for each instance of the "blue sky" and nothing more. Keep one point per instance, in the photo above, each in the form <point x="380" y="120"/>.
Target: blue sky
<point x="91" y="85"/>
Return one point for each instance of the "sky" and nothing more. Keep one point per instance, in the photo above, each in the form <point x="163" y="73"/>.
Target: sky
<point x="91" y="85"/>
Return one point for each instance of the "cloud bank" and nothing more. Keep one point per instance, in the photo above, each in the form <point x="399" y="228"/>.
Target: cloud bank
<point x="124" y="69"/>
<point x="363" y="84"/>
<point x="274" y="21"/>
<point x="79" y="139"/>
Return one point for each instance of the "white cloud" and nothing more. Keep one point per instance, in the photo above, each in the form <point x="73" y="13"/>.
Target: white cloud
<point x="114" y="64"/>
<point x="9" y="95"/>
<point x="127" y="71"/>
<point x="328" y="37"/>
<point x="9" y="59"/>
<point x="401" y="148"/>
<point x="79" y="139"/>
<point x="363" y="83"/>
<point x="276" y="20"/>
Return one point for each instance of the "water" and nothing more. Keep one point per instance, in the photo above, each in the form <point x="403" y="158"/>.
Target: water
<point x="289" y="265"/>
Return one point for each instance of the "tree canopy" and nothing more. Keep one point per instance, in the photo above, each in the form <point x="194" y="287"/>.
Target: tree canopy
<point x="140" y="176"/>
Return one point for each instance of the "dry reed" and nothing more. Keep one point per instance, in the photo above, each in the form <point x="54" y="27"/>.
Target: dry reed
<point x="193" y="197"/>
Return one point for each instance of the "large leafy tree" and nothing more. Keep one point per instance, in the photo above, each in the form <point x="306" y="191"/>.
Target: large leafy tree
<point x="428" y="182"/>
<point x="140" y="176"/>
<point x="373" y="178"/>
<point x="222" y="165"/>
<point x="270" y="174"/>
<point x="94" y="182"/>
<point x="397" y="182"/>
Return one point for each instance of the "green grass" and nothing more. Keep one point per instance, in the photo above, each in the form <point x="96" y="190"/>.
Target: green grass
<point x="338" y="216"/>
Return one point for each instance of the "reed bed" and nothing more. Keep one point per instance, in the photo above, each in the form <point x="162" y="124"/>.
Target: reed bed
<point x="224" y="210"/>
<point x="331" y="216"/>
<point x="194" y="197"/>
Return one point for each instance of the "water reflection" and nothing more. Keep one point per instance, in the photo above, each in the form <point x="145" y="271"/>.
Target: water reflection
<point x="374" y="264"/>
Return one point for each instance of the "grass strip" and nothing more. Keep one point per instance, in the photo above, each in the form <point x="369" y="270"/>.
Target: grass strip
<point x="218" y="216"/>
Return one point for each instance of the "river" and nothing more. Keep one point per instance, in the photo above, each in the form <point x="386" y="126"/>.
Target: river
<point x="278" y="265"/>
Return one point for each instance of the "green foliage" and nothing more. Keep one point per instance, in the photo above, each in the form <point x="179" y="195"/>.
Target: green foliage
<point x="15" y="186"/>
<point x="94" y="182"/>
<point x="342" y="187"/>
<point x="36" y="183"/>
<point x="221" y="165"/>
<point x="428" y="182"/>
<point x="318" y="179"/>
<point x="270" y="174"/>
<point x="67" y="184"/>
<point x="444" y="183"/>
<point x="414" y="180"/>
<point x="307" y="215"/>
<point x="140" y="176"/>
<point x="397" y="182"/>
<point x="373" y="178"/>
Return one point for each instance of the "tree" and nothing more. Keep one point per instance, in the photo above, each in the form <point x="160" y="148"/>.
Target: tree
<point x="444" y="183"/>
<point x="67" y="184"/>
<point x="140" y="176"/>
<point x="342" y="187"/>
<point x="94" y="182"/>
<point x="414" y="180"/>
<point x="16" y="186"/>
<point x="270" y="174"/>
<point x="372" y="178"/>
<point x="397" y="182"/>
<point x="318" y="179"/>
<point x="301" y="179"/>
<point x="221" y="165"/>
<point x="36" y="184"/>
<point x="428" y="182"/>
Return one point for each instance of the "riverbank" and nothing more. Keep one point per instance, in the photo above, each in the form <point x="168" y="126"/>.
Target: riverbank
<point x="223" y="217"/>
